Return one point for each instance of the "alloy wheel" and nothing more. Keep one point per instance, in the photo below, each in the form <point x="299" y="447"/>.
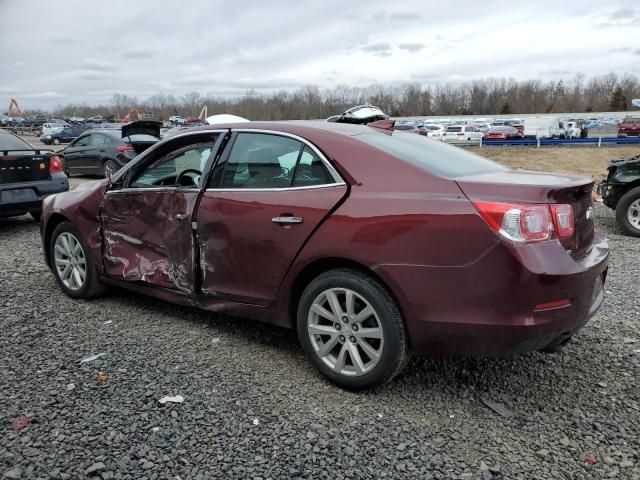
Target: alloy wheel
<point x="109" y="169"/>
<point x="70" y="261"/>
<point x="633" y="213"/>
<point x="345" y="332"/>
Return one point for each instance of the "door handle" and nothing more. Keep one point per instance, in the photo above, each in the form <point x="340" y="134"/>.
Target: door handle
<point x="181" y="216"/>
<point x="286" y="220"/>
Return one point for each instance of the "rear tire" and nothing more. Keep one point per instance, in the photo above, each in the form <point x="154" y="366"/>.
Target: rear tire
<point x="72" y="263"/>
<point x="556" y="345"/>
<point x="36" y="215"/>
<point x="365" y="344"/>
<point x="628" y="212"/>
<point x="56" y="141"/>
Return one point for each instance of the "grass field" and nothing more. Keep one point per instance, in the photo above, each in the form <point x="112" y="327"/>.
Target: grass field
<point x="583" y="160"/>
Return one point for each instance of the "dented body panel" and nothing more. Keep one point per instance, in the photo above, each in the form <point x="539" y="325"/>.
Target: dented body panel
<point x="147" y="237"/>
<point x="244" y="254"/>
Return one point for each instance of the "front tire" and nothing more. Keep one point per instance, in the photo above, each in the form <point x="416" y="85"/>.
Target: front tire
<point x="628" y="212"/>
<point x="351" y="329"/>
<point x="72" y="263"/>
<point x="56" y="141"/>
<point x="36" y="215"/>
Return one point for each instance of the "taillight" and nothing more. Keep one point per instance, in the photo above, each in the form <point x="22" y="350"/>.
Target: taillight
<point x="563" y="220"/>
<point x="526" y="223"/>
<point x="125" y="148"/>
<point x="55" y="164"/>
<point x="520" y="223"/>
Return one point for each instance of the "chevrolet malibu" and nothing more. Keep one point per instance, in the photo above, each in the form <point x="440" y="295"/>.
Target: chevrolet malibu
<point x="375" y="245"/>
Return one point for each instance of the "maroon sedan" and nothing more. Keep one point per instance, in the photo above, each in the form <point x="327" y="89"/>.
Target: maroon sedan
<point x="503" y="133"/>
<point x="372" y="244"/>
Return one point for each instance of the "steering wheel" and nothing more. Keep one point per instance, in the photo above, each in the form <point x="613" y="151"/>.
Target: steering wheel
<point x="193" y="179"/>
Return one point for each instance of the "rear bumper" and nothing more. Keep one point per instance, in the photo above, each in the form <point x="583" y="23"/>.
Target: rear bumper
<point x="493" y="307"/>
<point x="20" y="198"/>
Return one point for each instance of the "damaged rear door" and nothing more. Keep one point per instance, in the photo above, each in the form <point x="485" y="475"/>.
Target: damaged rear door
<point x="146" y="217"/>
<point x="267" y="195"/>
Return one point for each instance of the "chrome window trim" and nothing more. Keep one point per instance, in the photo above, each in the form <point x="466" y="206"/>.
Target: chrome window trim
<point x="153" y="189"/>
<point x="141" y="158"/>
<point x="332" y="171"/>
<point x="282" y="189"/>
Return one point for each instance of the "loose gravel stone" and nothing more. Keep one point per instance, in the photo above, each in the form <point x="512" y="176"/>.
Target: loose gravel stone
<point x="431" y="422"/>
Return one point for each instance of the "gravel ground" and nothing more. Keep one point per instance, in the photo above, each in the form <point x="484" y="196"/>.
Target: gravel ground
<point x="253" y="408"/>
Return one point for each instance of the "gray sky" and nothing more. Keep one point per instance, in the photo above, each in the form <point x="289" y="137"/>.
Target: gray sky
<point x="84" y="51"/>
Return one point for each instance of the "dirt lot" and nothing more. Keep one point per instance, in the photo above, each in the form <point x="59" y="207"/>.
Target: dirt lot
<point x="584" y="160"/>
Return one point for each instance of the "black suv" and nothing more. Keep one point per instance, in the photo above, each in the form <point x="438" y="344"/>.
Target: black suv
<point x="621" y="192"/>
<point x="27" y="176"/>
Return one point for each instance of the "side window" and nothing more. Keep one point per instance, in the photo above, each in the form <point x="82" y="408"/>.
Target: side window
<point x="311" y="171"/>
<point x="96" y="140"/>
<point x="82" y="142"/>
<point x="181" y="167"/>
<point x="261" y="160"/>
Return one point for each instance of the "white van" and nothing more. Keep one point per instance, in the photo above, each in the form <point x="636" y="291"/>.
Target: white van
<point x="51" y="128"/>
<point x="543" y="127"/>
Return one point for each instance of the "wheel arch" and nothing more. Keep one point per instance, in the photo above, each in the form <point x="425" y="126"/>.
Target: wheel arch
<point x="626" y="189"/>
<point x="54" y="220"/>
<point x="320" y="266"/>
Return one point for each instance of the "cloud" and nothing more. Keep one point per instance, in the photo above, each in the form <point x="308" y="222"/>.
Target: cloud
<point x="93" y="65"/>
<point x="556" y="72"/>
<point x="49" y="95"/>
<point x="378" y="49"/>
<point x="92" y="75"/>
<point x="138" y="54"/>
<point x="284" y="45"/>
<point x="397" y="17"/>
<point x="411" y="47"/>
<point x="636" y="51"/>
<point x="622" y="14"/>
<point x="622" y="17"/>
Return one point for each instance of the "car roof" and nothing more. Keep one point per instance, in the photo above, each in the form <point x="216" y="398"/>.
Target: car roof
<point x="296" y="127"/>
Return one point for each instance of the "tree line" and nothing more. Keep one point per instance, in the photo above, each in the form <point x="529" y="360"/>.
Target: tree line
<point x="490" y="96"/>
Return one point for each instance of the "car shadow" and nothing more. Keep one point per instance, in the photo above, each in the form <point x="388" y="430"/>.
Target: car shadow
<point x="455" y="378"/>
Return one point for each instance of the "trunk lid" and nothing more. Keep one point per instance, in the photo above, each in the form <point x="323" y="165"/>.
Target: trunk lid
<point x="141" y="135"/>
<point x="522" y="186"/>
<point x="142" y="127"/>
<point x="23" y="166"/>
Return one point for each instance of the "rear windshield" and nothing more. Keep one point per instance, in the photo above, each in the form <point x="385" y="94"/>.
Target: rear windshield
<point x="11" y="142"/>
<point x="454" y="129"/>
<point x="434" y="157"/>
<point x="141" y="138"/>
